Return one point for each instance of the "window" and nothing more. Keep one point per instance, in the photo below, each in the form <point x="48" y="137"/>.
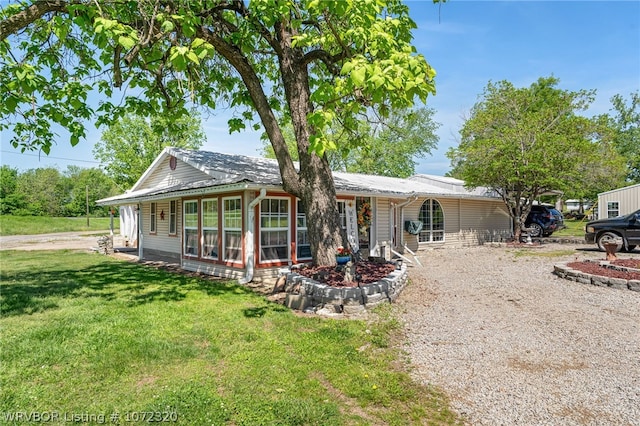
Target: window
<point x="432" y="218"/>
<point x="152" y="221"/>
<point x="613" y="209"/>
<point x="232" y="229"/>
<point x="191" y="228"/>
<point x="210" y="229"/>
<point x="274" y="229"/>
<point x="303" y="248"/>
<point x="173" y="214"/>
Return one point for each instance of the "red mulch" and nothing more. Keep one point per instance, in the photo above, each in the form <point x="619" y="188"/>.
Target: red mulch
<point x="595" y="269"/>
<point x="369" y="272"/>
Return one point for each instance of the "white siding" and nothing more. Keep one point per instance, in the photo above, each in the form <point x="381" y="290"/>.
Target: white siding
<point x="382" y="227"/>
<point x="163" y="176"/>
<point x="466" y="223"/>
<point x="161" y="241"/>
<point x="628" y="200"/>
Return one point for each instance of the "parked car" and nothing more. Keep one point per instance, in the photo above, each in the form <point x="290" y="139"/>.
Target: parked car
<point x="543" y="221"/>
<point x="625" y="229"/>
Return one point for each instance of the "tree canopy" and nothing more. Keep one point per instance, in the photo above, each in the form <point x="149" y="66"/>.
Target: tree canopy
<point x="313" y="61"/>
<point x="129" y="146"/>
<point x="387" y="148"/>
<point x="626" y="122"/>
<point x="523" y="142"/>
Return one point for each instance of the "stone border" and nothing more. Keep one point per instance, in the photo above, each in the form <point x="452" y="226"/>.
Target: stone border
<point x="564" y="271"/>
<point x="305" y="294"/>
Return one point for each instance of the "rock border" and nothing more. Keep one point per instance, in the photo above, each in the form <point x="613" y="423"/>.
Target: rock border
<point x="564" y="271"/>
<point x="308" y="295"/>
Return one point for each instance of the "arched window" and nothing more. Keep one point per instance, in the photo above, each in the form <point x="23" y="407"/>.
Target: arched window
<point x="432" y="218"/>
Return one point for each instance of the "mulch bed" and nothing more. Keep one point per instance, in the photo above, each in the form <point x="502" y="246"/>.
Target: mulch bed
<point x="596" y="269"/>
<point x="366" y="272"/>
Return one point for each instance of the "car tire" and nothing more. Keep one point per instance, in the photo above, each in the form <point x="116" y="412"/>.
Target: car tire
<point x="535" y="230"/>
<point x="630" y="248"/>
<point x="608" y="236"/>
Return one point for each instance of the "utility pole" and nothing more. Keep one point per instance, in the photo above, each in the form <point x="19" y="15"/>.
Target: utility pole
<point x="87" y="198"/>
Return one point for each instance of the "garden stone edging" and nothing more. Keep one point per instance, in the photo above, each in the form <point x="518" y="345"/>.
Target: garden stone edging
<point x="566" y="272"/>
<point x="308" y="295"/>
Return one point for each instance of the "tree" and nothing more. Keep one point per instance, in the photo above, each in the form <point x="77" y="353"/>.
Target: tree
<point x="44" y="191"/>
<point x="10" y="199"/>
<point x="523" y="142"/>
<point x="82" y="182"/>
<point x="312" y="61"/>
<point x="385" y="148"/>
<point x="128" y="147"/>
<point x="626" y="123"/>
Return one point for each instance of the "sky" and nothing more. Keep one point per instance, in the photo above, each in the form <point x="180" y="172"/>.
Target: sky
<point x="585" y="44"/>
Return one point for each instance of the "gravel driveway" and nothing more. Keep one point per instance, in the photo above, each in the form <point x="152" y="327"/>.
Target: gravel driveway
<point x="512" y="344"/>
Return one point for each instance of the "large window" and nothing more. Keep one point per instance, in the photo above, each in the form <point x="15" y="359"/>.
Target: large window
<point x="232" y="229"/>
<point x="152" y="219"/>
<point x="210" y="228"/>
<point x="190" y="209"/>
<point x="274" y="229"/>
<point x="173" y="214"/>
<point x="432" y="218"/>
<point x="613" y="209"/>
<point x="303" y="248"/>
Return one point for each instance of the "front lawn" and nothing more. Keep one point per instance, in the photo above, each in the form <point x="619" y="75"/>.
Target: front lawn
<point x="88" y="335"/>
<point x="31" y="225"/>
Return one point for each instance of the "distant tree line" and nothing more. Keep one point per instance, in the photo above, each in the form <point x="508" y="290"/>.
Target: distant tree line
<point x="50" y="192"/>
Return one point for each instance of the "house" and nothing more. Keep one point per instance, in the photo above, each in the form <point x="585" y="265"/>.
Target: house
<point x="619" y="202"/>
<point x="227" y="215"/>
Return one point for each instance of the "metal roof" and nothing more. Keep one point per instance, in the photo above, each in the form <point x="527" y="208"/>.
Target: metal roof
<point x="228" y="171"/>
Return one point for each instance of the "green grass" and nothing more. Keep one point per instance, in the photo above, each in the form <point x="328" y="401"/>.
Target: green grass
<point x="85" y="333"/>
<point x="574" y="228"/>
<point x="31" y="225"/>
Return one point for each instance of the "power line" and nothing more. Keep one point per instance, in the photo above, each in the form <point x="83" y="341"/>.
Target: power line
<point x="49" y="156"/>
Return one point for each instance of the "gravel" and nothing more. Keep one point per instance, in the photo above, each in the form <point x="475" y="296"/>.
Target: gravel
<point x="513" y="344"/>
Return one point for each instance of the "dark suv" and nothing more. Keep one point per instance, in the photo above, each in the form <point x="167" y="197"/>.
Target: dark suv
<point x="544" y="221"/>
<point x="622" y="228"/>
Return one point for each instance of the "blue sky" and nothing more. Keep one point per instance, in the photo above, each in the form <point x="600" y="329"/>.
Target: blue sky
<point x="586" y="44"/>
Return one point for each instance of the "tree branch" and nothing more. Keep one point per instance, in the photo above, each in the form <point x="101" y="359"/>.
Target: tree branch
<point x="29" y="15"/>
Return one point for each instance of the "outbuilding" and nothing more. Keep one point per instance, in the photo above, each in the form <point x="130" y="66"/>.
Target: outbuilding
<point x="227" y="215"/>
<point x="619" y="202"/>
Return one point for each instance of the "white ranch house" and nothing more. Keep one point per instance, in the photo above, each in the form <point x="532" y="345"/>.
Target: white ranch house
<point x="227" y="215"/>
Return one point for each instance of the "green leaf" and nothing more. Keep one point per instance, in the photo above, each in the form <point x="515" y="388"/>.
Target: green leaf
<point x="126" y="42"/>
<point x="358" y="76"/>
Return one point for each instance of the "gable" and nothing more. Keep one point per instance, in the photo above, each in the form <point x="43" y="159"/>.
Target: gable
<point x="163" y="175"/>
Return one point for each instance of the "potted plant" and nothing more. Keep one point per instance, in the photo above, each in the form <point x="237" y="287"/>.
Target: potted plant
<point x="343" y="255"/>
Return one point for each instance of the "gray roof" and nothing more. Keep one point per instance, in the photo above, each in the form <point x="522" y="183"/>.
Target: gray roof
<point x="228" y="171"/>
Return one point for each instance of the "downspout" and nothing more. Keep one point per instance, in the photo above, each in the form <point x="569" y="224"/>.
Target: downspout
<point x="248" y="242"/>
<point x="401" y="206"/>
<point x="140" y="232"/>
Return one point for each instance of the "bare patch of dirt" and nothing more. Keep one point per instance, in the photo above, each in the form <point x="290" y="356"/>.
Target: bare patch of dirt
<point x="366" y="273"/>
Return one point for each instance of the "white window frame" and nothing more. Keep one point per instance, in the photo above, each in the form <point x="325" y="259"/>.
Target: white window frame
<point x="185" y="234"/>
<point x="429" y="233"/>
<point x="302" y="232"/>
<point x="173" y="217"/>
<point x="275" y="226"/>
<point x="227" y="228"/>
<point x="205" y="249"/>
<point x="613" y="209"/>
<point x="153" y="217"/>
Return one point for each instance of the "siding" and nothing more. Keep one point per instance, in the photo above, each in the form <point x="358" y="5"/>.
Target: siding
<point x="628" y="199"/>
<point x="382" y="227"/>
<point x="163" y="176"/>
<point x="466" y="223"/>
<point x="161" y="242"/>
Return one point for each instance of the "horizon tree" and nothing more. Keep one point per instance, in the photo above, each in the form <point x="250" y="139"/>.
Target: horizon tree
<point x="523" y="142"/>
<point x="312" y="61"/>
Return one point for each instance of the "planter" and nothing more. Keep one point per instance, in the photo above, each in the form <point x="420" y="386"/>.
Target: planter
<point x="342" y="260"/>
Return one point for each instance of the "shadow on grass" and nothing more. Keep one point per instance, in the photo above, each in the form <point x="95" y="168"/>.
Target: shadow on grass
<point x="134" y="284"/>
